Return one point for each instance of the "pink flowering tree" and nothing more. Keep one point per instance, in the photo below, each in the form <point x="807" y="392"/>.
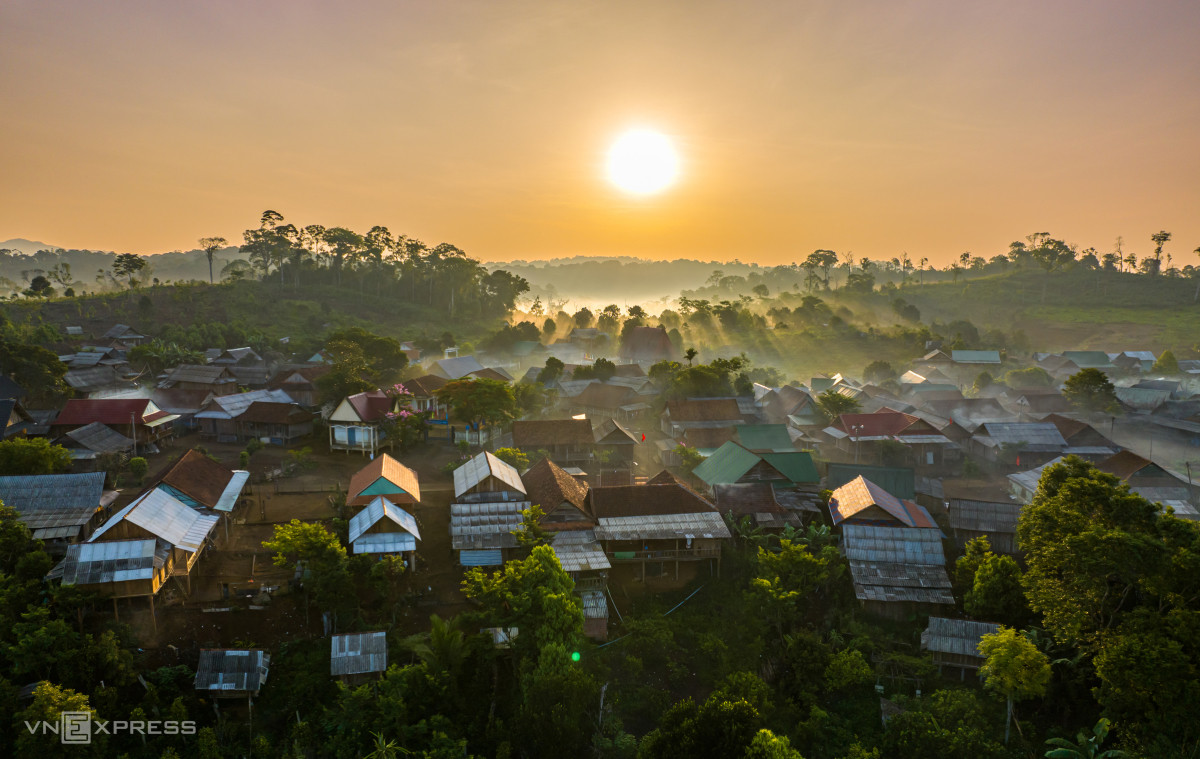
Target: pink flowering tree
<point x="405" y="428"/>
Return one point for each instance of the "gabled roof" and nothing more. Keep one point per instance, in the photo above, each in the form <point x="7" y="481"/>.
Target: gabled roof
<point x="647" y="344"/>
<point x="377" y="510"/>
<point x="704" y="410"/>
<point x="99" y="438"/>
<point x="122" y="331"/>
<point x="882" y="424"/>
<point x="95" y="378"/>
<point x="601" y="395"/>
<point x="426" y="385"/>
<point x="50" y="501"/>
<point x="975" y="357"/>
<point x="765" y="437"/>
<point x="898" y="545"/>
<point x="298" y="377"/>
<point x="1088" y="359"/>
<point x="732" y="461"/>
<point x="232" y="670"/>
<point x="860" y="494"/>
<point x="233" y="406"/>
<point x="166" y="517"/>
<point x="612" y="432"/>
<point x="203" y="480"/>
<point x="458" y="367"/>
<point x="899" y="481"/>
<point x="269" y="412"/>
<point x="480" y="468"/>
<point x="647" y="500"/>
<point x="205" y="375"/>
<point x="551" y="432"/>
<point x="370" y="406"/>
<point x="111" y="411"/>
<point x="1127" y="463"/>
<point x="548" y="486"/>
<point x="1033" y="436"/>
<point x="492" y="373"/>
<point x="10" y="389"/>
<point x="242" y="356"/>
<point x="396" y="478"/>
<point x="177" y="401"/>
<point x="358" y="653"/>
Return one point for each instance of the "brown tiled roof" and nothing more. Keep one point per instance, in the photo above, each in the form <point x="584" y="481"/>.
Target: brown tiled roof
<point x="425" y="386"/>
<point x="549" y="432"/>
<point x="746" y="498"/>
<point x="879" y="424"/>
<point x="1067" y="427"/>
<point x="489" y="373"/>
<point x="197" y="476"/>
<point x="600" y="395"/>
<point x="646" y="500"/>
<point x="704" y="410"/>
<point x="707" y="437"/>
<point x="547" y="485"/>
<point x="265" y="412"/>
<point x="370" y="406"/>
<point x="387" y="467"/>
<point x="1124" y="464"/>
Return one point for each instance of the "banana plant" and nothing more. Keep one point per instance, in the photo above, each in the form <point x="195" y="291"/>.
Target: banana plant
<point x="1085" y="747"/>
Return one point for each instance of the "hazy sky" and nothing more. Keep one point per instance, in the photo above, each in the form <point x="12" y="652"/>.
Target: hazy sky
<point x="878" y="127"/>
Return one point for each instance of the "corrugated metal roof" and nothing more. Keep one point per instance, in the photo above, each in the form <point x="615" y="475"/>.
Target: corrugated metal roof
<point x="231" y="406"/>
<point x="232" y="670"/>
<point x="480" y="468"/>
<point x="989" y="517"/>
<point x="485" y="525"/>
<point x="50" y="501"/>
<point x="232" y="490"/>
<point x="907" y="545"/>
<point x="578" y="551"/>
<point x="897" y="481"/>
<point x="100" y="438"/>
<point x="481" y="558"/>
<point x="114" y="561"/>
<point x="975" y="357"/>
<point x="161" y="514"/>
<point x="358" y="653"/>
<point x="595" y="606"/>
<point x="385" y="542"/>
<point x="457" y="368"/>
<point x="956" y="636"/>
<point x="1032" y="436"/>
<point x="764" y="437"/>
<point x="378" y="509"/>
<point x="663" y="527"/>
<point x="891" y="582"/>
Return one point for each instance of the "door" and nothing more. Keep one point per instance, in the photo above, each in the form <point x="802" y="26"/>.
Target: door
<point x="352" y="435"/>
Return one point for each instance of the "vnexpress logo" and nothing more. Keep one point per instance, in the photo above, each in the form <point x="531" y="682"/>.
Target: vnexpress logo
<point x="77" y="728"/>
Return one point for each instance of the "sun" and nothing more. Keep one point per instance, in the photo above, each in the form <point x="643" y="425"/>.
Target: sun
<point x="643" y="162"/>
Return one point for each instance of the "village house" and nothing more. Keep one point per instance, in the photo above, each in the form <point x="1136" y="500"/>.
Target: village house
<point x="680" y="415"/>
<point x="614" y="440"/>
<point x="276" y="420"/>
<point x="92" y="441"/>
<point x="897" y="571"/>
<point x="899" y="481"/>
<point x="184" y="404"/>
<point x="300" y="383"/>
<point x="647" y="345"/>
<point x="868" y="436"/>
<point x="489" y="497"/>
<point x="384" y="476"/>
<point x="755" y="504"/>
<point x="58" y="509"/>
<point x="455" y="368"/>
<point x="357" y="422"/>
<point x="125" y="335"/>
<point x="355" y="658"/>
<point x="657" y="525"/>
<point x="569" y="441"/>
<point x="384" y="529"/>
<point x="982" y="508"/>
<point x="424" y="397"/>
<point x="734" y="463"/>
<point x="215" y="379"/>
<point x="599" y="399"/>
<point x="232" y="673"/>
<point x="98" y="382"/>
<point x="955" y="643"/>
<point x="1009" y="442"/>
<point x="136" y="418"/>
<point x="202" y="484"/>
<point x="862" y="502"/>
<point x="16" y="419"/>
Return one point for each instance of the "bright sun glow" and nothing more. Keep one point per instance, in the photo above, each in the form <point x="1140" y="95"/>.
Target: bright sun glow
<point x="642" y="162"/>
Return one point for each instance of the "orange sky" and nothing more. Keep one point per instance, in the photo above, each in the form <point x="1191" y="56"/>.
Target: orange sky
<point x="875" y="127"/>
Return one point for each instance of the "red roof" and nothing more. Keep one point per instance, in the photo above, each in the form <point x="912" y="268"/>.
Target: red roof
<point x="370" y="406"/>
<point x="879" y="424"/>
<point x="110" y="411"/>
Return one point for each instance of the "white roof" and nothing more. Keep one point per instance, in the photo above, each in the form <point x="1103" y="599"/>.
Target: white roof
<point x="479" y="468"/>
<point x="663" y="527"/>
<point x="378" y="509"/>
<point x="457" y="368"/>
<point x="161" y="514"/>
<point x="232" y="490"/>
<point x="229" y="406"/>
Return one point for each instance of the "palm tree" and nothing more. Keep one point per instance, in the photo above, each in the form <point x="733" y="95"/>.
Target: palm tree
<point x="691" y="353"/>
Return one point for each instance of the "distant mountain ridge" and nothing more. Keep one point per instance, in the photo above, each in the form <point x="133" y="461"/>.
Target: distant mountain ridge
<point x="28" y="247"/>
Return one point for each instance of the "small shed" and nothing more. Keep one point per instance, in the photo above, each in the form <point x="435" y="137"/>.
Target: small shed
<point x="383" y="528"/>
<point x="355" y="657"/>
<point x="231" y="673"/>
<point x="955" y="642"/>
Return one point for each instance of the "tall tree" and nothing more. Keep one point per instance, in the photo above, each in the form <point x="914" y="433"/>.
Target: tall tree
<point x="479" y="402"/>
<point x="1090" y="390"/>
<point x="210" y="246"/>
<point x="1014" y="668"/>
<point x="344" y="245"/>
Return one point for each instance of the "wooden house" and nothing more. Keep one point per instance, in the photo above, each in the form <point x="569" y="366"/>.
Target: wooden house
<point x="90" y="442"/>
<point x="657" y="525"/>
<point x="981" y="508"/>
<point x="58" y="509"/>
<point x="955" y="643"/>
<point x="124" y="334"/>
<point x="280" y="421"/>
<point x="865" y="435"/>
<point x="355" y="658"/>
<point x="232" y="673"/>
<point x="202" y="484"/>
<point x="384" y="476"/>
<point x="680" y="415"/>
<point x="567" y="440"/>
<point x="620" y="442"/>
<point x="300" y="383"/>
<point x="1030" y="442"/>
<point x="756" y="502"/>
<point x="489" y="497"/>
<point x="599" y="399"/>
<point x="136" y="418"/>
<point x="98" y="382"/>
<point x="382" y="528"/>
<point x="357" y="422"/>
<point x="733" y="462"/>
<point x="647" y="345"/>
<point x="862" y="502"/>
<point x="897" y="571"/>
<point x="212" y="378"/>
<point x="15" y="419"/>
<point x="424" y="397"/>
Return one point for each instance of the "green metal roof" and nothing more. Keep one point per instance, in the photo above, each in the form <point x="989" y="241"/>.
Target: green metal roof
<point x="797" y="466"/>
<point x="764" y="437"/>
<point x="896" y="480"/>
<point x="820" y="384"/>
<point x="731" y="461"/>
<point x="976" y="357"/>
<point x="1088" y="359"/>
<point x="727" y="464"/>
<point x="382" y="486"/>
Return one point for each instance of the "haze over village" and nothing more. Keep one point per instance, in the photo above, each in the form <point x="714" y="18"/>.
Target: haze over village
<point x="614" y="380"/>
